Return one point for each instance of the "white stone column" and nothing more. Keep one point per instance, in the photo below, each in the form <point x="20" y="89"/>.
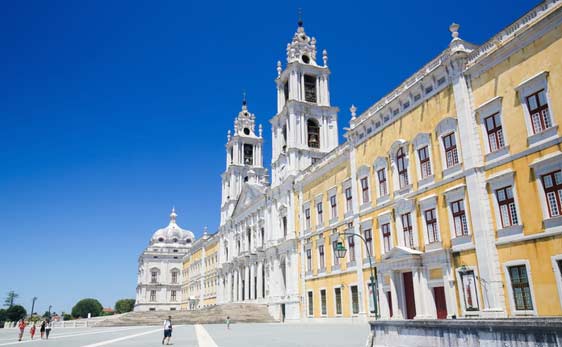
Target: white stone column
<point x="247" y="283"/>
<point x="252" y="283"/>
<point x="397" y="297"/>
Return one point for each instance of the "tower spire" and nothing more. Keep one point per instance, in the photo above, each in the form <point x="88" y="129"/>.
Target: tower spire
<point x="299" y="14"/>
<point x="173" y="215"/>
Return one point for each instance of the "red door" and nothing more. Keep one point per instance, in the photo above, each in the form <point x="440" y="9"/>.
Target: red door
<point x="409" y="294"/>
<point x="440" y="303"/>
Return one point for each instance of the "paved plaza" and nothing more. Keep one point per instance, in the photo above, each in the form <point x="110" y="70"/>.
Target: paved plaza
<point x="274" y="335"/>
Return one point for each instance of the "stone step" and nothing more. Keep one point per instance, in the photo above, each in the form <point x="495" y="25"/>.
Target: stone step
<point x="238" y="313"/>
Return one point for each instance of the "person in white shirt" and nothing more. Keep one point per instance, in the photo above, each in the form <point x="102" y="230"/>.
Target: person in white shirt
<point x="167" y="330"/>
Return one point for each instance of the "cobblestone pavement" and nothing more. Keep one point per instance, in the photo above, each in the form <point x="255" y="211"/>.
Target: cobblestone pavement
<point x="274" y="335"/>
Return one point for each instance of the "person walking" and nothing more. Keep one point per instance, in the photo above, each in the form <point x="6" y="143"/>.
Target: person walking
<point x="167" y="330"/>
<point x="48" y="327"/>
<point x="21" y="327"/>
<point x="228" y="322"/>
<point x="42" y="329"/>
<point x="32" y="330"/>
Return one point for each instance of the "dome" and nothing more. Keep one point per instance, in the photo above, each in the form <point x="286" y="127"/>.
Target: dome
<point x="173" y="233"/>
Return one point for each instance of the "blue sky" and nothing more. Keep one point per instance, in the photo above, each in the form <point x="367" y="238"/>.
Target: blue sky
<point x="111" y="112"/>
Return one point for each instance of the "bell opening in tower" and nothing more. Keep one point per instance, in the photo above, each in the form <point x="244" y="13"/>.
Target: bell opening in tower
<point x="248" y="154"/>
<point x="313" y="131"/>
<point x="286" y="90"/>
<point x="309" y="88"/>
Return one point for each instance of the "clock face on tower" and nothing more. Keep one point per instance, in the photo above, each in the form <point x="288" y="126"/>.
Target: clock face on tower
<point x="246" y="131"/>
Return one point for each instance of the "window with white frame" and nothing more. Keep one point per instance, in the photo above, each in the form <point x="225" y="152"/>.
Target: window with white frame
<point x="154" y="276"/>
<point x="432" y="228"/>
<point x="337" y="296"/>
<point x="425" y="163"/>
<point x="507" y="207"/>
<point x="319" y="219"/>
<point x="386" y="236"/>
<point x="323" y="302"/>
<point x="173" y="295"/>
<point x="335" y="260"/>
<point x="174" y="277"/>
<point x="383" y="186"/>
<point x="534" y="97"/>
<point x="310" y="303"/>
<point x="552" y="185"/>
<point x="354" y="299"/>
<point x="368" y="234"/>
<point x="408" y="233"/>
<point x="459" y="218"/>
<point x="348" y="200"/>
<point x="308" y="260"/>
<point x="334" y="207"/>
<point x="494" y="132"/>
<point x="307" y="217"/>
<point x="351" y="248"/>
<point x="321" y="257"/>
<point x="365" y="189"/>
<point x="450" y="147"/>
<point x="152" y="295"/>
<point x="402" y="168"/>
<point x="520" y="287"/>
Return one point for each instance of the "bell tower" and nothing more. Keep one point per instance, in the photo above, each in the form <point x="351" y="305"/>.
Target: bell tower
<point x="244" y="159"/>
<point x="305" y="127"/>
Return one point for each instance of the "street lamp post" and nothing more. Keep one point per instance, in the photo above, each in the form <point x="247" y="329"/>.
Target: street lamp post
<point x="50" y="306"/>
<point x="33" y="305"/>
<point x="340" y="253"/>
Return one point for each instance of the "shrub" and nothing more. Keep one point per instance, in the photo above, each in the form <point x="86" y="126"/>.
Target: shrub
<point x="85" y="306"/>
<point x="124" y="305"/>
<point x="15" y="313"/>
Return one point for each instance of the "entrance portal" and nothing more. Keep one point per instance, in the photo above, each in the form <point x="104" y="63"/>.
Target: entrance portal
<point x="409" y="295"/>
<point x="440" y="303"/>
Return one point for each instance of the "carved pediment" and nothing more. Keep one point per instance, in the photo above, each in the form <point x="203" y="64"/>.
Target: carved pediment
<point x="399" y="253"/>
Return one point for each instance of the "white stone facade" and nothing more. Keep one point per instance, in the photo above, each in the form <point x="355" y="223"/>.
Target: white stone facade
<point x="258" y="256"/>
<point x="160" y="269"/>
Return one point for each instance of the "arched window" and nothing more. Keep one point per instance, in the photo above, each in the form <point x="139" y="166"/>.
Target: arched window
<point x="313" y="131"/>
<point x="284" y="144"/>
<point x="248" y="154"/>
<point x="402" y="168"/>
<point x="249" y="234"/>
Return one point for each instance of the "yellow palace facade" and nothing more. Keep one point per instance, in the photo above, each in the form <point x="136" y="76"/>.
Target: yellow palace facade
<point x="452" y="182"/>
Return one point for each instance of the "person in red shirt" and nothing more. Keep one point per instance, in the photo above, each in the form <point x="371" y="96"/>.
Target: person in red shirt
<point x="21" y="326"/>
<point x="32" y="330"/>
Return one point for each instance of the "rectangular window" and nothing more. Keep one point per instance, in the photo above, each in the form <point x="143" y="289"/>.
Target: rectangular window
<point x="402" y="167"/>
<point x="308" y="260"/>
<point x="365" y="189"/>
<point x="382" y="182"/>
<point x="538" y="110"/>
<point x="174" y="277"/>
<point x="321" y="257"/>
<point x="495" y="132"/>
<point x="425" y="164"/>
<point x="173" y="295"/>
<point x="152" y="295"/>
<point x="286" y="90"/>
<point x="428" y="89"/>
<point x="506" y="204"/>
<point x="459" y="218"/>
<point x="323" y="301"/>
<point x="407" y="229"/>
<point x="431" y="224"/>
<point x="153" y="277"/>
<point x="333" y="204"/>
<point x="354" y="300"/>
<point x="469" y="291"/>
<point x="310" y="304"/>
<point x="552" y="184"/>
<point x="337" y="294"/>
<point x="520" y="287"/>
<point x="309" y="88"/>
<point x="450" y="145"/>
<point x="319" y="213"/>
<point x="335" y="260"/>
<point x="369" y="240"/>
<point x="351" y="248"/>
<point x="348" y="200"/>
<point x="248" y="154"/>
<point x="284" y="223"/>
<point x="307" y="218"/>
<point x="387" y="242"/>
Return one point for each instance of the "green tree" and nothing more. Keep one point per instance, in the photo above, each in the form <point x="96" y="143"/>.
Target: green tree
<point x="85" y="306"/>
<point x="124" y="305"/>
<point x="46" y="314"/>
<point x="15" y="313"/>
<point x="10" y="298"/>
<point x="3" y="316"/>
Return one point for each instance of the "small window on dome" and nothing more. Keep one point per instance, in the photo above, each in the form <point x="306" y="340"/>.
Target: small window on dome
<point x="175" y="240"/>
<point x="160" y="239"/>
<point x="187" y="240"/>
<point x="305" y="59"/>
<point x="175" y="251"/>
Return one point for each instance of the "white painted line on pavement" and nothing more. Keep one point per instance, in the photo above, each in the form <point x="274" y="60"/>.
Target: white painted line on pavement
<point x="38" y="338"/>
<point x="203" y="337"/>
<point x="104" y="343"/>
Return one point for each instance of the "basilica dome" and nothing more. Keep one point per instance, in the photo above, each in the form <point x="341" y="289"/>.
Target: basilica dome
<point x="173" y="233"/>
